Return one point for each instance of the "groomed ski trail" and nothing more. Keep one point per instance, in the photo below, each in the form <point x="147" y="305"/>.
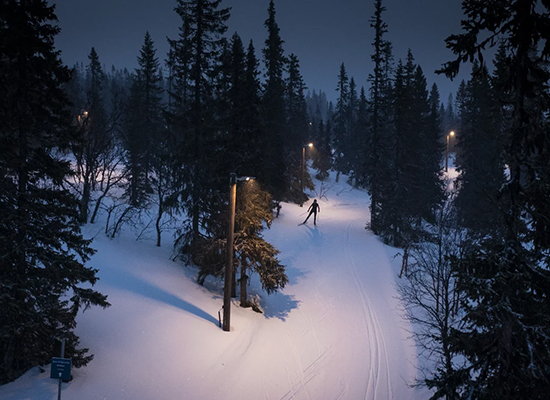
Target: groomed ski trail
<point x="343" y="279"/>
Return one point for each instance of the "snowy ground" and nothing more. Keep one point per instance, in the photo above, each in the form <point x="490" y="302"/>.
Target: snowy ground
<point x="335" y="332"/>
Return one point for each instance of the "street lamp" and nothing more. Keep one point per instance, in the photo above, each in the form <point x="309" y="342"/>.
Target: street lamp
<point x="82" y="117"/>
<point x="228" y="278"/>
<point x="451" y="133"/>
<point x="303" y="169"/>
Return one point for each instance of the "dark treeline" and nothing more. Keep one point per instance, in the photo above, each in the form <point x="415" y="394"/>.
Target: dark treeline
<point x="478" y="283"/>
<point x="162" y="140"/>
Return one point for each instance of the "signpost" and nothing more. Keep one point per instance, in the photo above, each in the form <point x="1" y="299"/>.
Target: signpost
<point x="61" y="369"/>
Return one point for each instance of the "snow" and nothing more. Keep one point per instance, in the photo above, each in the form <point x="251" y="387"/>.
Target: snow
<point x="335" y="331"/>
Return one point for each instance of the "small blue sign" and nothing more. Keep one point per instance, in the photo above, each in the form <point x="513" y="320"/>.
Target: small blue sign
<point x="61" y="368"/>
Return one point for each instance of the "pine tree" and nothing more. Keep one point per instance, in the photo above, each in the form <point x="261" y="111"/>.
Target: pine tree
<point x="43" y="252"/>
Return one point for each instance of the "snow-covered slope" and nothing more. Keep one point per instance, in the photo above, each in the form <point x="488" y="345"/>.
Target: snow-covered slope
<point x="334" y="332"/>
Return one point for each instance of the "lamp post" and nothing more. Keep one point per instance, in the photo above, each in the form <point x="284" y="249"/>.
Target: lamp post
<point x="303" y="168"/>
<point x="228" y="278"/>
<point x="451" y="133"/>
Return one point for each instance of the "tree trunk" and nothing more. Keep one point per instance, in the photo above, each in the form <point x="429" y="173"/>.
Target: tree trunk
<point x="86" y="191"/>
<point x="234" y="283"/>
<point x="244" y="282"/>
<point x="157" y="224"/>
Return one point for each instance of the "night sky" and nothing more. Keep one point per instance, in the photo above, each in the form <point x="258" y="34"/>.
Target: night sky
<point x="322" y="33"/>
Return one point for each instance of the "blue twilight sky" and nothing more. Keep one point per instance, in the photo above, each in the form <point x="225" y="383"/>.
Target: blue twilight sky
<point x="322" y="33"/>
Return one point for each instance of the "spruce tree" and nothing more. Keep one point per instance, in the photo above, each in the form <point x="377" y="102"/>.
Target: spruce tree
<point x="425" y="105"/>
<point x="256" y="140"/>
<point x="143" y="123"/>
<point x="505" y="278"/>
<point x="378" y="141"/>
<point x="194" y="125"/>
<point x="96" y="140"/>
<point x="252" y="252"/>
<point x="417" y="189"/>
<point x="358" y="137"/>
<point x="245" y="141"/>
<point x="395" y="224"/>
<point x="273" y="107"/>
<point x="340" y="127"/>
<point x="433" y="190"/>
<point x="242" y="145"/>
<point x="43" y="252"/>
<point x="322" y="157"/>
<point x="480" y="162"/>
<point x="297" y="130"/>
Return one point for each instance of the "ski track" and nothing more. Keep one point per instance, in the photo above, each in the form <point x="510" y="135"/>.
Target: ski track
<point x="379" y="385"/>
<point x="379" y="363"/>
<point x="300" y="363"/>
<point x="309" y="373"/>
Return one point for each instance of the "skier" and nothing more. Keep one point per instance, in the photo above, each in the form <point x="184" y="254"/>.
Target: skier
<point x="313" y="208"/>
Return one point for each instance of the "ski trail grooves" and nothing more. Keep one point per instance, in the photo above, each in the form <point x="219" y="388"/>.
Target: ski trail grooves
<point x="379" y="363"/>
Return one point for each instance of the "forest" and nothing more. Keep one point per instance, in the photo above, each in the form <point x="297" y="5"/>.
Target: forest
<point x="161" y="141"/>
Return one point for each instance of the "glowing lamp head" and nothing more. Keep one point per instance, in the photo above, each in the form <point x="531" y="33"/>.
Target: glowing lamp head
<point x="452" y="133"/>
<point x="310" y="144"/>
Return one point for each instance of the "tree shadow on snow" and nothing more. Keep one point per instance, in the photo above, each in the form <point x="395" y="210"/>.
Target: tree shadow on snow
<point x="143" y="288"/>
<point x="279" y="305"/>
<point x="294" y="274"/>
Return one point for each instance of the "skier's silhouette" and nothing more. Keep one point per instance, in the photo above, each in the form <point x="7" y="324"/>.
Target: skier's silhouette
<point x="313" y="209"/>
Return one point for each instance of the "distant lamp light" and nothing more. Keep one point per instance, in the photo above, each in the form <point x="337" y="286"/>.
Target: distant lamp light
<point x="310" y="144"/>
<point x="451" y="134"/>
